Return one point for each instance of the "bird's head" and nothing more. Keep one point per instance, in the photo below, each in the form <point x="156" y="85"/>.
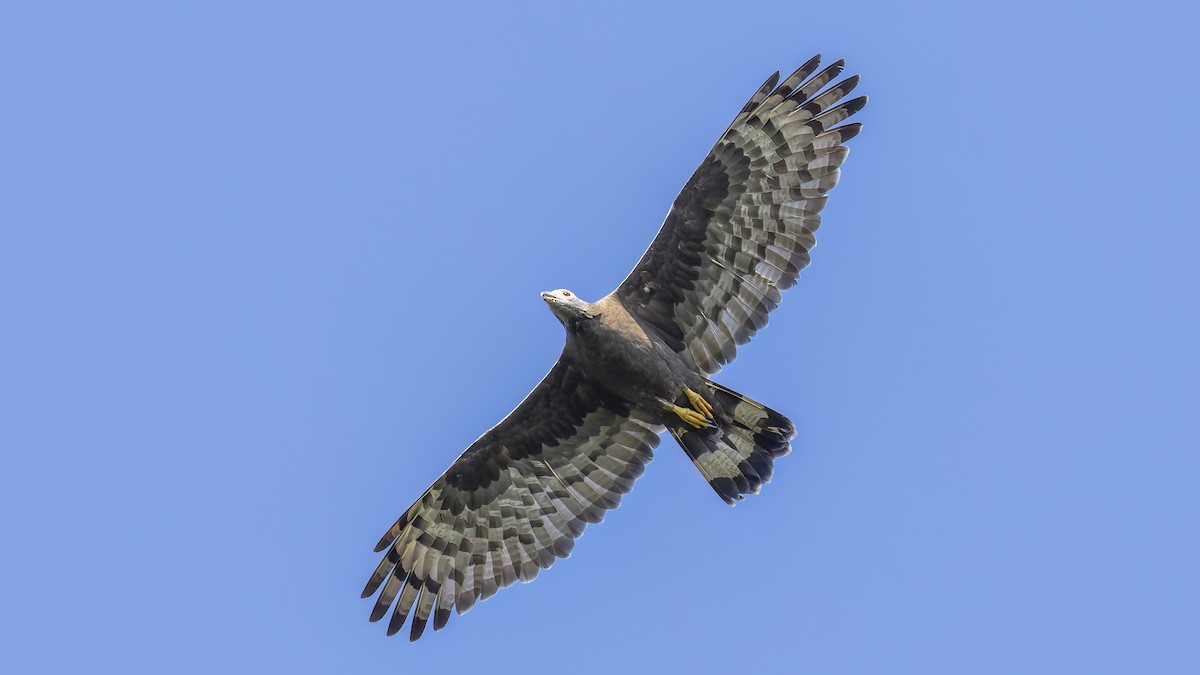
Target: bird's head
<point x="570" y="309"/>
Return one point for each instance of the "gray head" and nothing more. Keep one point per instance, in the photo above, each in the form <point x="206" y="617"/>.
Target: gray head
<point x="568" y="307"/>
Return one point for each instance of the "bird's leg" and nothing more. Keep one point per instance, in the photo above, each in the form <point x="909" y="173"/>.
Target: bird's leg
<point x="698" y="402"/>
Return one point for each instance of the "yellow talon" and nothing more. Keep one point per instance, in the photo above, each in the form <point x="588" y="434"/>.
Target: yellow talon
<point x="699" y="404"/>
<point x="690" y="416"/>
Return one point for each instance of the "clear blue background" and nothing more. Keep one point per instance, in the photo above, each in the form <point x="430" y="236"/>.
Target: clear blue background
<point x="267" y="268"/>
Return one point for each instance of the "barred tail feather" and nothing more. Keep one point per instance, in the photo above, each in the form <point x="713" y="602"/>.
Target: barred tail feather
<point x="737" y="454"/>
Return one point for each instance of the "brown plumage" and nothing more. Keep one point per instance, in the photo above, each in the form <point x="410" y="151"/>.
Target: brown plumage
<point x="635" y="363"/>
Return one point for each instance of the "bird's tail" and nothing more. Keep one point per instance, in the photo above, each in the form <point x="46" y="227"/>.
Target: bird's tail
<point x="737" y="453"/>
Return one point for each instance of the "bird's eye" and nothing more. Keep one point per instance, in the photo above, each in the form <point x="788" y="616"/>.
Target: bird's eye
<point x="566" y="294"/>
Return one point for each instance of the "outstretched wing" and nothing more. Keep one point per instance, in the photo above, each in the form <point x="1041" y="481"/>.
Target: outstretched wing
<point x="740" y="231"/>
<point x="514" y="502"/>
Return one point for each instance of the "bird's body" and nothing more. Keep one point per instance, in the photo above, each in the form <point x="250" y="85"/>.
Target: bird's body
<point x="636" y="363"/>
<point x="614" y="350"/>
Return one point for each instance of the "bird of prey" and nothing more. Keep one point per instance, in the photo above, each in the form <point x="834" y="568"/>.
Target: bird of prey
<point x="635" y="363"/>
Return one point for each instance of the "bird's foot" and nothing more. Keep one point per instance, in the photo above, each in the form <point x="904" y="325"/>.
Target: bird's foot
<point x="690" y="416"/>
<point x="701" y="406"/>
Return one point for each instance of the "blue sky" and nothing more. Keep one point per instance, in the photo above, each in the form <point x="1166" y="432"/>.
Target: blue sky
<point x="267" y="268"/>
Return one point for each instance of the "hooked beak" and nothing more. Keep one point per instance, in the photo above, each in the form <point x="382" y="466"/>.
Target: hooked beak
<point x="546" y="296"/>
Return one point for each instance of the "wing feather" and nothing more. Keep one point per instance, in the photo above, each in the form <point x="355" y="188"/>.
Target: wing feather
<point x="742" y="228"/>
<point x="513" y="503"/>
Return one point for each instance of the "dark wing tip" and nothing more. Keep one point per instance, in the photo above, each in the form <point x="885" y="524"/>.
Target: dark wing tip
<point x="394" y="625"/>
<point x="846" y="132"/>
<point x="761" y="94"/>
<point x="807" y="67"/>
<point x="381" y="574"/>
<point x="392" y="532"/>
<point x="440" y="617"/>
<point x="417" y="629"/>
<point x="854" y="105"/>
<point x="378" y="611"/>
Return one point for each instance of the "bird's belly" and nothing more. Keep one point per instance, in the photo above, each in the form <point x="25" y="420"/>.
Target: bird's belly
<point x="637" y="373"/>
